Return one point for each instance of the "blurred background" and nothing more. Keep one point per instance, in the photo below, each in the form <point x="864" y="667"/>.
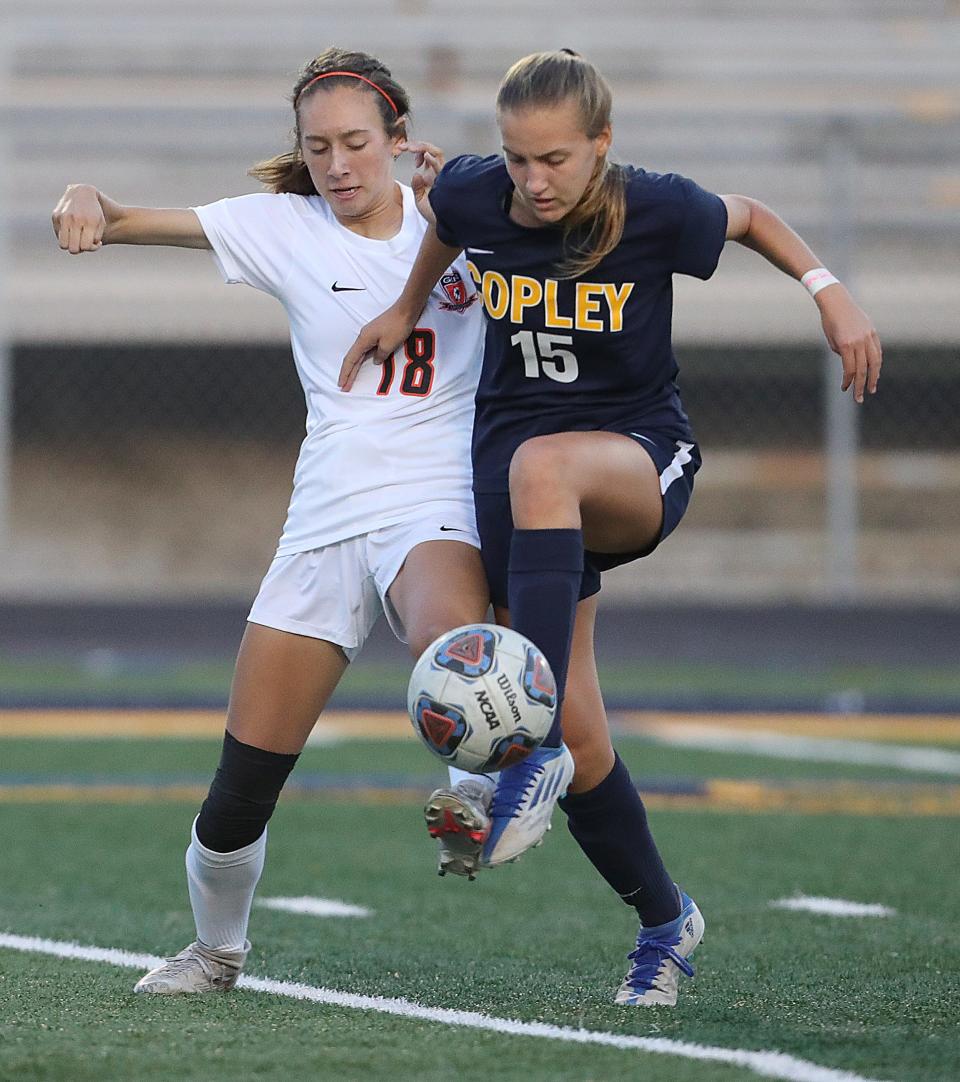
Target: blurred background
<point x="150" y="416"/>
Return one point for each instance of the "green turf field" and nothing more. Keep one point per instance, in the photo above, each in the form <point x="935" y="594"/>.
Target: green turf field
<point x="79" y="682"/>
<point x="542" y="940"/>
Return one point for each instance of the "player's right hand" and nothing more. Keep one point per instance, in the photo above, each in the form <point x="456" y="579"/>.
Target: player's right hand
<point x="428" y="160"/>
<point x="78" y="220"/>
<point x="377" y="341"/>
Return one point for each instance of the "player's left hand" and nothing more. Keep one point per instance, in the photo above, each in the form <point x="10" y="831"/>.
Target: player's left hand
<point x="851" y="334"/>
<point x="429" y="161"/>
<point x="377" y="341"/>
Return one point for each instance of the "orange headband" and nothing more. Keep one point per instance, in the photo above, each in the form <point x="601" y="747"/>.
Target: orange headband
<point x="351" y="75"/>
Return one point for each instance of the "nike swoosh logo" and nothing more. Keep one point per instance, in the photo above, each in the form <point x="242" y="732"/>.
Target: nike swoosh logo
<point x="481" y="251"/>
<point x="348" y="289"/>
<point x="455" y="529"/>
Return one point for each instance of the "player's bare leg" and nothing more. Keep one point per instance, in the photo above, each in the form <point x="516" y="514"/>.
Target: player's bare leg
<point x="586" y="756"/>
<point x="586" y="731"/>
<point x="601" y="482"/>
<point x="568" y="491"/>
<point x="281" y="684"/>
<point x="442" y="586"/>
<point x="606" y="487"/>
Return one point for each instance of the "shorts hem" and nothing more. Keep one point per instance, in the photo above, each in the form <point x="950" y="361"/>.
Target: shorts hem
<point x="385" y="581"/>
<point x="299" y="627"/>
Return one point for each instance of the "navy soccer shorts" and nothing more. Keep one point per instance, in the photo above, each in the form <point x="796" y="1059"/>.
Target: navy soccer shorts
<point x="676" y="461"/>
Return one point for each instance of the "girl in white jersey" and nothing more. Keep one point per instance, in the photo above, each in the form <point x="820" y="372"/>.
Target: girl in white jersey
<point x="381" y="516"/>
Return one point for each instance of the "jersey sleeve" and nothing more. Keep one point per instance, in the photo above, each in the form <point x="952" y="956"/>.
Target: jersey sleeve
<point x="450" y="199"/>
<point x="702" y="230"/>
<point x="252" y="239"/>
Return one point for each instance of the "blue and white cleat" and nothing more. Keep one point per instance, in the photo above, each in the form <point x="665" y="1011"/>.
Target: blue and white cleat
<point x="660" y="957"/>
<point x="523" y="803"/>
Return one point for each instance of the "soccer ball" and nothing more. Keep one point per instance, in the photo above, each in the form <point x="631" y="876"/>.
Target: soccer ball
<point x="482" y="697"/>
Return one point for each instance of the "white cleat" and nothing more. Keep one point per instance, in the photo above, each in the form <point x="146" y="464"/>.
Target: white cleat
<point x="457" y="817"/>
<point x="660" y="957"/>
<point x="523" y="803"/>
<point x="196" y="968"/>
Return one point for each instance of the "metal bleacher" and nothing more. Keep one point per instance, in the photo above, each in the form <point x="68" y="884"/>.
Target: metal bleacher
<point x="168" y="103"/>
<point x="844" y="115"/>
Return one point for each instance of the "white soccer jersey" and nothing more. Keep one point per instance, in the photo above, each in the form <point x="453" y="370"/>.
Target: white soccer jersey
<point x="401" y="436"/>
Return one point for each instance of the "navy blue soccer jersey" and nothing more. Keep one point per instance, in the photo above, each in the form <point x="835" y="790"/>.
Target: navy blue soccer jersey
<point x="590" y="353"/>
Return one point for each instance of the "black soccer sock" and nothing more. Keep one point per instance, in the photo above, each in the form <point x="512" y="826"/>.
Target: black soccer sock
<point x="242" y="796"/>
<point x="609" y="823"/>
<point x="546" y="568"/>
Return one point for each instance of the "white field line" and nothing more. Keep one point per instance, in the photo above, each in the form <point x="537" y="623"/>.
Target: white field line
<point x="834" y="907"/>
<point x="781" y="746"/>
<point x="315" y="907"/>
<point x="765" y="1064"/>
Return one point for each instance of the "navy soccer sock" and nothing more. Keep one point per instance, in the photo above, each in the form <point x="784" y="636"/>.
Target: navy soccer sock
<point x="609" y="823"/>
<point x="546" y="568"/>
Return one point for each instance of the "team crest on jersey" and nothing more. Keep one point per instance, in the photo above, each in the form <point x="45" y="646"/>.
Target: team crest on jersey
<point x="455" y="290"/>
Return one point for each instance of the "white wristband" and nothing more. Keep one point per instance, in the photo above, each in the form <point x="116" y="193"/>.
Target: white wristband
<point x="817" y="279"/>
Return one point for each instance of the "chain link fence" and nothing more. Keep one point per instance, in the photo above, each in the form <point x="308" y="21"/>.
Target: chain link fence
<point x="165" y="469"/>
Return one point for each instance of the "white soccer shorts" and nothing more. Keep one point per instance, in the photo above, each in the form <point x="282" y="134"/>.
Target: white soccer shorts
<point x="338" y="592"/>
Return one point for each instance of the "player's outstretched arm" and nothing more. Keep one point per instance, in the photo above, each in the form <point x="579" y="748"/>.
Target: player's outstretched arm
<point x="848" y="329"/>
<point x="384" y="335"/>
<point x="85" y="219"/>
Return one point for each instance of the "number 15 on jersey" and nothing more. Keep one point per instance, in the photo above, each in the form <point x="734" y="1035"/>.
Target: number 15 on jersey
<point x="543" y="355"/>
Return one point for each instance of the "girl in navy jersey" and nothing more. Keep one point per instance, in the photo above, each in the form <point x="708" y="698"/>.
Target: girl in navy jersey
<point x="381" y="516"/>
<point x="583" y="455"/>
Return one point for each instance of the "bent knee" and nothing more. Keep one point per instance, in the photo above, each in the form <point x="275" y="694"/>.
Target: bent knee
<point x="543" y="476"/>
<point x="417" y="643"/>
<point x="538" y="458"/>
<point x="242" y="796"/>
<point x="423" y="635"/>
